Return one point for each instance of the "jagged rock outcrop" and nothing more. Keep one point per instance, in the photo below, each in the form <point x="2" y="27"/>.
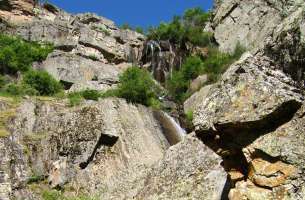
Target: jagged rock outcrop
<point x="80" y="41"/>
<point x="108" y="148"/>
<point x="254" y="116"/>
<point x="248" y="22"/>
<point x="98" y="145"/>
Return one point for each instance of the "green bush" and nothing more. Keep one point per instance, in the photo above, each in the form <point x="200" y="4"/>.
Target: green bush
<point x="18" y="55"/>
<point x="196" y="16"/>
<point x="180" y="31"/>
<point x="3" y="81"/>
<point x="177" y="86"/>
<point x="214" y="66"/>
<point x="91" y="95"/>
<point x="14" y="89"/>
<point x="43" y="82"/>
<point x="137" y="86"/>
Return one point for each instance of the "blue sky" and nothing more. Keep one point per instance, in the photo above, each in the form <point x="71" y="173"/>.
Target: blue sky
<point x="134" y="12"/>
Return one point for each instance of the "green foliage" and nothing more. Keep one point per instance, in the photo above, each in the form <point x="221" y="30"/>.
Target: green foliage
<point x="57" y="195"/>
<point x="93" y="57"/>
<point x="137" y="86"/>
<point x="139" y="30"/>
<point x="3" y="81"/>
<point x="75" y="99"/>
<point x="214" y="65"/>
<point x="188" y="29"/>
<point x="196" y="16"/>
<point x="189" y="115"/>
<point x="91" y="95"/>
<point x="42" y="82"/>
<point x="177" y="86"/>
<point x="14" y="89"/>
<point x="35" y="178"/>
<point x="51" y="195"/>
<point x="18" y="55"/>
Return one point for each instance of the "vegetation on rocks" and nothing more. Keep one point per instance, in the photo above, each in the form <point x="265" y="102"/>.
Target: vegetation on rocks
<point x="213" y="65"/>
<point x="42" y="82"/>
<point x="18" y="55"/>
<point x="57" y="195"/>
<point x="136" y="86"/>
<point x="183" y="30"/>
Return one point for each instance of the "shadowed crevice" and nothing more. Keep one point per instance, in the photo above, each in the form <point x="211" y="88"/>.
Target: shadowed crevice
<point x="104" y="140"/>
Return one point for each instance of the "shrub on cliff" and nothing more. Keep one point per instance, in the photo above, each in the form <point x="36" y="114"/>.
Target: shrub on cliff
<point x="18" y="55"/>
<point x="137" y="86"/>
<point x="214" y="65"/>
<point x="183" y="30"/>
<point x="43" y="82"/>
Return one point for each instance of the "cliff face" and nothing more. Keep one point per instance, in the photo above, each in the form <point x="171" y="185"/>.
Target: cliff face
<point x="90" y="50"/>
<point x="255" y="109"/>
<point x="248" y="141"/>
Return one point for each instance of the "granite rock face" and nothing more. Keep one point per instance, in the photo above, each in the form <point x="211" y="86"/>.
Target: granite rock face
<point x="189" y="170"/>
<point x="255" y="112"/>
<point x="109" y="148"/>
<point x="80" y="40"/>
<point x="248" y="23"/>
<point x="109" y="139"/>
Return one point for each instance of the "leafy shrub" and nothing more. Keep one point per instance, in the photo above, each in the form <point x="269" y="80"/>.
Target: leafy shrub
<point x="43" y="82"/>
<point x="91" y="95"/>
<point x="188" y="29"/>
<point x="18" y="55"/>
<point x="177" y="86"/>
<point x="137" y="86"/>
<point x="51" y="195"/>
<point x="214" y="65"/>
<point x="196" y="16"/>
<point x="14" y="89"/>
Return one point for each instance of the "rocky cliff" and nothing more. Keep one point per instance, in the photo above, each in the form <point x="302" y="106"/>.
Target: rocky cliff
<point x="248" y="137"/>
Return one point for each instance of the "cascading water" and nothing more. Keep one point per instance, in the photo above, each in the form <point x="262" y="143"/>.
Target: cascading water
<point x="162" y="58"/>
<point x="172" y="130"/>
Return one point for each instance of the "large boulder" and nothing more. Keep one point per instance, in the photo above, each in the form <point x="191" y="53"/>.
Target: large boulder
<point x="248" y="22"/>
<point x="250" y="94"/>
<point x="189" y="170"/>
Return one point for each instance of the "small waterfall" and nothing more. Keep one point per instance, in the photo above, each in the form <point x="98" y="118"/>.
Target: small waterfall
<point x="172" y="130"/>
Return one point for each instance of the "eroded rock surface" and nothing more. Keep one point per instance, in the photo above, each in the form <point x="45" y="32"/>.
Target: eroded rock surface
<point x="81" y="41"/>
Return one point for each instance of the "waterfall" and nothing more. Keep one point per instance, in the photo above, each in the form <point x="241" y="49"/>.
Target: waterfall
<point x="172" y="130"/>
